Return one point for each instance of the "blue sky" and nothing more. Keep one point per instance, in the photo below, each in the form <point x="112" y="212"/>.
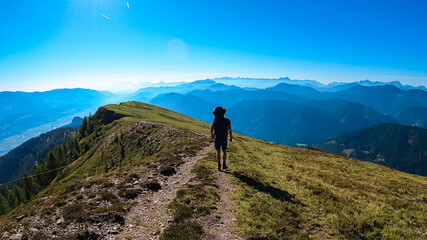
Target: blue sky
<point x="98" y="43"/>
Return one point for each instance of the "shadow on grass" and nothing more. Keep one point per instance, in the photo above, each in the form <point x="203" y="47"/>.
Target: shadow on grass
<point x="276" y="193"/>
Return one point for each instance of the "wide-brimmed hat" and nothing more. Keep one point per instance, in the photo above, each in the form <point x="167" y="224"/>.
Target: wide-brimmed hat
<point x="219" y="111"/>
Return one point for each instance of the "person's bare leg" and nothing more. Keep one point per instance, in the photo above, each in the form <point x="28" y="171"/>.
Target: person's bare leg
<point x="218" y="158"/>
<point x="224" y="159"/>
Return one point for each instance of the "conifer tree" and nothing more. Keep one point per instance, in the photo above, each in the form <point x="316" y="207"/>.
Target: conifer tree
<point x="83" y="127"/>
<point x="4" y="205"/>
<point x="19" y="194"/>
<point x="12" y="199"/>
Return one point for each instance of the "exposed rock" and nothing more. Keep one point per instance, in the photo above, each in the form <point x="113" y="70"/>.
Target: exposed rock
<point x="16" y="236"/>
<point x="60" y="221"/>
<point x="107" y="116"/>
<point x="5" y="235"/>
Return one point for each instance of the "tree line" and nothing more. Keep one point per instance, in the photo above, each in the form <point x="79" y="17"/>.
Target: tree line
<point x="23" y="190"/>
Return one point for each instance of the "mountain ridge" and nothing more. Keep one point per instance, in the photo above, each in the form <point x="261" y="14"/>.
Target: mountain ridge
<point x="132" y="149"/>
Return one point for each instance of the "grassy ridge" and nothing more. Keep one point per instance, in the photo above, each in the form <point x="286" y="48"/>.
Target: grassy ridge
<point x="282" y="192"/>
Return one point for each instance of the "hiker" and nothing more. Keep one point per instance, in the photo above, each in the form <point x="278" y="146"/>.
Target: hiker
<point x="220" y="128"/>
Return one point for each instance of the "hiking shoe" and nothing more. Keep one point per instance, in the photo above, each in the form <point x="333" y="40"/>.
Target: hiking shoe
<point x="224" y="167"/>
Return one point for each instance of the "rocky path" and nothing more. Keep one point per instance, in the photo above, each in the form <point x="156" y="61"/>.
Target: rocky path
<point x="221" y="224"/>
<point x="149" y="217"/>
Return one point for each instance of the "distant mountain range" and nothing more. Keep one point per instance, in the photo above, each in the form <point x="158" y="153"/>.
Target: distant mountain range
<point x="387" y="99"/>
<point x="353" y="105"/>
<point x="384" y="98"/>
<point x="400" y="147"/>
<point x="331" y="87"/>
<point x="296" y="109"/>
<point x="146" y="94"/>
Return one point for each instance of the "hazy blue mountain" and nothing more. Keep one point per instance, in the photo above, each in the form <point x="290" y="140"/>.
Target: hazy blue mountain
<point x="23" y="158"/>
<point x="223" y="87"/>
<point x="265" y="82"/>
<point x="232" y="97"/>
<point x="188" y="104"/>
<point x="386" y="99"/>
<point x="414" y="116"/>
<point x="180" y="88"/>
<point x="331" y="87"/>
<point x="296" y="90"/>
<point x="24" y="115"/>
<point x="400" y="147"/>
<point x="340" y="86"/>
<point x="350" y="114"/>
<point x="146" y="94"/>
<point x="282" y="122"/>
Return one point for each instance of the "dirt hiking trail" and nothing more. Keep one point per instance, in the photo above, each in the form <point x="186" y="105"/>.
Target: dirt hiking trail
<point x="221" y="224"/>
<point x="149" y="217"/>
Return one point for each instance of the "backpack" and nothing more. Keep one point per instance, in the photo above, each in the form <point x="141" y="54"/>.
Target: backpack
<point x="221" y="127"/>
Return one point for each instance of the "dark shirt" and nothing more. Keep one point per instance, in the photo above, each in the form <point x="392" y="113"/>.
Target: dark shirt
<point x="221" y="125"/>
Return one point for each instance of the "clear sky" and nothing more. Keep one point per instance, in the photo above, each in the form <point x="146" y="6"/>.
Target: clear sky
<point x="97" y="43"/>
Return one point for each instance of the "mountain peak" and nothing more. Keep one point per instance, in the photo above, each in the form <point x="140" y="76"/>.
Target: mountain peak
<point x="206" y="81"/>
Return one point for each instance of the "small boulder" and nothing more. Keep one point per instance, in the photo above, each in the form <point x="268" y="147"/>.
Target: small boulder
<point x="60" y="221"/>
<point x="16" y="236"/>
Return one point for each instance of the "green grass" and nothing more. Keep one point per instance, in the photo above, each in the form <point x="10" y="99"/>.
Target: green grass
<point x="286" y="192"/>
<point x="74" y="212"/>
<point x="187" y="230"/>
<point x="136" y="111"/>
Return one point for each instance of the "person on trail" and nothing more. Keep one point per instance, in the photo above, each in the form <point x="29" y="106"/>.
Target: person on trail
<point x="220" y="128"/>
